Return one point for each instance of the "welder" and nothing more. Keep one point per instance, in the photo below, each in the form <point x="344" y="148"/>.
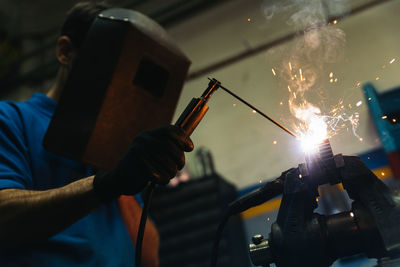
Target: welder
<point x="58" y="212"/>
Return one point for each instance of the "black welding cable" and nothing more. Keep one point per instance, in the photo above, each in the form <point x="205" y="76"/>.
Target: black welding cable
<point x="254" y="198"/>
<point x="218" y="236"/>
<point x="142" y="224"/>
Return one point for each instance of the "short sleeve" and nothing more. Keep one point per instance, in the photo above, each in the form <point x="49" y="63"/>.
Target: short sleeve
<point x="15" y="171"/>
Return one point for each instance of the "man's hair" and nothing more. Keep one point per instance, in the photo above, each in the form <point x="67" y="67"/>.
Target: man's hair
<point x="79" y="18"/>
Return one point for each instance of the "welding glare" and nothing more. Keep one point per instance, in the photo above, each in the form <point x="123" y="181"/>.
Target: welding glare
<point x="314" y="129"/>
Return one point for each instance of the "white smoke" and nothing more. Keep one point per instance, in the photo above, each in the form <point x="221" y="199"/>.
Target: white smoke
<point x="318" y="42"/>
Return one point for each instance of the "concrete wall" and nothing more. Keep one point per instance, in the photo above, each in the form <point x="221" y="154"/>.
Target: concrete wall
<point x="242" y="142"/>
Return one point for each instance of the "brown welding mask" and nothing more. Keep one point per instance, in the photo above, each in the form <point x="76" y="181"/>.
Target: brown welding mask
<point x="127" y="78"/>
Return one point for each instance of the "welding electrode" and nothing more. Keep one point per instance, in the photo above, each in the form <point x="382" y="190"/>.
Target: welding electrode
<point x="256" y="109"/>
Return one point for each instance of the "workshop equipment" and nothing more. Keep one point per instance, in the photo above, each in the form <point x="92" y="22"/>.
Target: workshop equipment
<point x="187" y="217"/>
<point x="300" y="237"/>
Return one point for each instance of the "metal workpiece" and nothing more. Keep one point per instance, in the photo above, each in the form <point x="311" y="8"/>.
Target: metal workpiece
<point x="323" y="166"/>
<point x="260" y="251"/>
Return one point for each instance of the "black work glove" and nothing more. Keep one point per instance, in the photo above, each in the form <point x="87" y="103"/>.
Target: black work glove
<point x="154" y="155"/>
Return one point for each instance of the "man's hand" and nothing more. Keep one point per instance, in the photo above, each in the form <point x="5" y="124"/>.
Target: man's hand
<point x="154" y="155"/>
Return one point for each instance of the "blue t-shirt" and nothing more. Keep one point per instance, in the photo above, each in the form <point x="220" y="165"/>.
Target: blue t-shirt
<point x="99" y="239"/>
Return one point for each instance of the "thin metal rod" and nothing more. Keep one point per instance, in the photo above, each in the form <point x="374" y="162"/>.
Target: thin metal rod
<point x="258" y="111"/>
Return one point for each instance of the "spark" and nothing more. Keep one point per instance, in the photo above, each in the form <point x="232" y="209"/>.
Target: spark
<point x="377" y="78"/>
<point x="384" y="117"/>
<point x="336" y="79"/>
<point x="294" y="95"/>
<point x="369" y="99"/>
<point x="331" y="80"/>
<point x="248" y="19"/>
<point x="268" y="219"/>
<point x="301" y="75"/>
<point x="360" y="139"/>
<point x="394" y="120"/>
<point x="254" y="111"/>
<point x="281" y="103"/>
<point x="288" y="87"/>
<point x="333" y="123"/>
<point x="274" y="142"/>
<point x="234" y="105"/>
<point x="382" y="173"/>
<point x="300" y="176"/>
<point x="358" y="84"/>
<point x="335" y="21"/>
<point x="391" y="61"/>
<point x="331" y="75"/>
<point x="260" y="181"/>
<point x="273" y="71"/>
<point x="316" y="199"/>
<point x="290" y="66"/>
<point x="351" y="214"/>
<point x="359" y="103"/>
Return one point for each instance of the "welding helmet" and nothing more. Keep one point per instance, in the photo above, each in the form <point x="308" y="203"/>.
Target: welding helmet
<point x="127" y="78"/>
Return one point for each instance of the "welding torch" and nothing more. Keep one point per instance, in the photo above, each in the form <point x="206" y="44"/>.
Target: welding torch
<point x="188" y="121"/>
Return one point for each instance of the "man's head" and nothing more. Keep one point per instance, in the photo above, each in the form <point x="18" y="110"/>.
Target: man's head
<point x="73" y="32"/>
<point x="78" y="21"/>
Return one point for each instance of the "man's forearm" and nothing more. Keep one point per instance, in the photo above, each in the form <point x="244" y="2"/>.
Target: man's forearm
<point x="27" y="215"/>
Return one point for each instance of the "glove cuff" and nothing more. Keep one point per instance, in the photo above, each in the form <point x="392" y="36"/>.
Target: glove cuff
<point x="104" y="187"/>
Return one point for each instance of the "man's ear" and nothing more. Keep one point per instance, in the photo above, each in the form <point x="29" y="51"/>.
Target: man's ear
<point x="65" y="51"/>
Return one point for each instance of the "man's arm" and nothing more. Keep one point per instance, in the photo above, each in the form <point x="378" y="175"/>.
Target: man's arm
<point x="27" y="216"/>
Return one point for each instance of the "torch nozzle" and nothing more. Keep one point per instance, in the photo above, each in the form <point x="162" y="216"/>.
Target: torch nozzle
<point x="213" y="85"/>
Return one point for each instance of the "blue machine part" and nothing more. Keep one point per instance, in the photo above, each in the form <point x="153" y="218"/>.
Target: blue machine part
<point x="385" y="110"/>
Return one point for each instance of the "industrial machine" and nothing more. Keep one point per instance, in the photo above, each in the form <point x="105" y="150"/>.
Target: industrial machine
<point x="301" y="237"/>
